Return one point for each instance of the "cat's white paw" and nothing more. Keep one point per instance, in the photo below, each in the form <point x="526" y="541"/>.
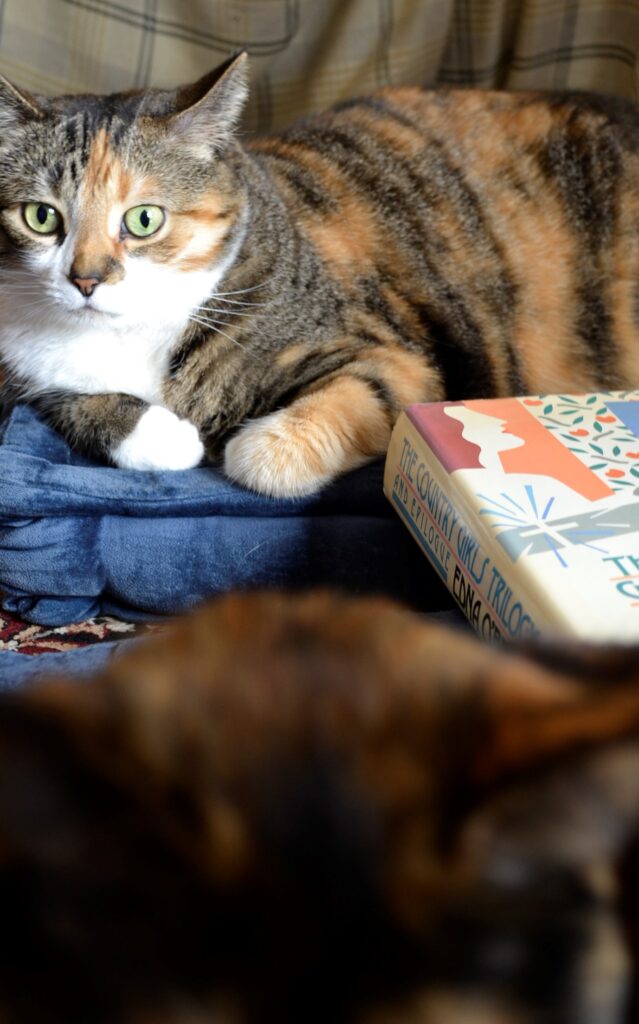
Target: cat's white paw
<point x="160" y="440"/>
<point x="274" y="456"/>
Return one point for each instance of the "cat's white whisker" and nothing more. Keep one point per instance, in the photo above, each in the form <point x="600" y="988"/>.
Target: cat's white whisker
<point x="4" y="283"/>
<point x="253" y="288"/>
<point x="7" y="282"/>
<point x="240" y="291"/>
<point x="25" y="293"/>
<point x="238" y="302"/>
<point x="224" y="312"/>
<point x="27" y="302"/>
<point x="202" y="318"/>
<point x="212" y="320"/>
<point x="212" y="324"/>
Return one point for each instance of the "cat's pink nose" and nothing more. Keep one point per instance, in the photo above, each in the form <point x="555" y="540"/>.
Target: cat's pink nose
<point x="86" y="285"/>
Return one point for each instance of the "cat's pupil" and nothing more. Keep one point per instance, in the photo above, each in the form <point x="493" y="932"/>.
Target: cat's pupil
<point x="42" y="214"/>
<point x="145" y="220"/>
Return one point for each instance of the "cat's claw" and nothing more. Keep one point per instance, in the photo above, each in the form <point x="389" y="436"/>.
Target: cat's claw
<point x="160" y="441"/>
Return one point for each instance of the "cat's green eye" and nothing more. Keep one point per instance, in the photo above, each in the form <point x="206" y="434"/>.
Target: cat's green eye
<point x="42" y="218"/>
<point x="143" y="221"/>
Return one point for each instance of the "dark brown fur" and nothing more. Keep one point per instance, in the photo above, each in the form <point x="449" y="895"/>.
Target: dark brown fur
<point x="313" y="809"/>
<point x="409" y="246"/>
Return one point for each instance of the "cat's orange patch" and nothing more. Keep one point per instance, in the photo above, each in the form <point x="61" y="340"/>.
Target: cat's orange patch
<point x="322" y="169"/>
<point x="350" y="239"/>
<point x="402" y="308"/>
<point x="402" y="137"/>
<point x="407" y="374"/>
<point x="195" y="236"/>
<point x="373" y="325"/>
<point x="551" y="357"/>
<point x="106" y="176"/>
<point x="291" y="355"/>
<point x="541" y="254"/>
<point x="214" y="210"/>
<point x="476" y="115"/>
<point x="346" y="407"/>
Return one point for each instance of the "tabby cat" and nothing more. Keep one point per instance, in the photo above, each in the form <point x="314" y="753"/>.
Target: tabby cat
<point x="305" y="810"/>
<point x="168" y="291"/>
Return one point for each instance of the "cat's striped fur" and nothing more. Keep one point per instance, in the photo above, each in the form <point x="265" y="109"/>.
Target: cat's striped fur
<point x="408" y="246"/>
<point x="314" y="810"/>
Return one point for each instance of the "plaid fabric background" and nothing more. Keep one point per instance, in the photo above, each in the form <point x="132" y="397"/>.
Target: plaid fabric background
<point x="308" y="54"/>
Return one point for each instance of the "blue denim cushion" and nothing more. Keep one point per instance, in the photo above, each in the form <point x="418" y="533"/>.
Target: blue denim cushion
<point x="79" y="539"/>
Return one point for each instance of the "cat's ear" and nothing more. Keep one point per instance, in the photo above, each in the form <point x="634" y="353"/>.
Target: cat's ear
<point x="16" y="105"/>
<point x="209" y="110"/>
<point x="557" y="757"/>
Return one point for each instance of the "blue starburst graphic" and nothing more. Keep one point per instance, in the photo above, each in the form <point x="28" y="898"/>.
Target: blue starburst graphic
<point x="508" y="515"/>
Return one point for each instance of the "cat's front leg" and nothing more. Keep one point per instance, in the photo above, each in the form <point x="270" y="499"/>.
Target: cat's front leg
<point x="126" y="430"/>
<point x="296" y="450"/>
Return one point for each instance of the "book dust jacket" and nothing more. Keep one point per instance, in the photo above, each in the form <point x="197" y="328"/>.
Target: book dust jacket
<point x="528" y="508"/>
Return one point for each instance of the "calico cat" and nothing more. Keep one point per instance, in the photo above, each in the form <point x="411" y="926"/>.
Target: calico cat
<point x="305" y="809"/>
<point x="169" y="291"/>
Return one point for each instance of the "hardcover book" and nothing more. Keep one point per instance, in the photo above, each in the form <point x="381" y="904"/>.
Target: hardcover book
<point x="528" y="508"/>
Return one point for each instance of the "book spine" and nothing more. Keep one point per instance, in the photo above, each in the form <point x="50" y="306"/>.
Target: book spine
<point x="482" y="584"/>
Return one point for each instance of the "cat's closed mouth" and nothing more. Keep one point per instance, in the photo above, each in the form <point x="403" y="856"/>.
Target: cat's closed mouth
<point x="89" y="312"/>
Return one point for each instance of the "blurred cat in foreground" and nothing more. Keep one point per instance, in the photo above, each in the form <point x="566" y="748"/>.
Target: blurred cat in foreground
<point x="316" y="808"/>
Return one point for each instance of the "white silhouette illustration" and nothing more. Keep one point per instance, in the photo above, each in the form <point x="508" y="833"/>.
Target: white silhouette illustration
<point x="487" y="433"/>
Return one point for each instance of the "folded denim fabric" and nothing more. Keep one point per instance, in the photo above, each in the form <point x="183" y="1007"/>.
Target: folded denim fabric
<point x="79" y="539"/>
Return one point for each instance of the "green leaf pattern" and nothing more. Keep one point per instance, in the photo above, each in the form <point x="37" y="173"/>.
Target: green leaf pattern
<point x="585" y="425"/>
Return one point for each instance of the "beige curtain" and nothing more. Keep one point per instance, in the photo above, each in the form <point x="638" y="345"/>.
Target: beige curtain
<point x="307" y="54"/>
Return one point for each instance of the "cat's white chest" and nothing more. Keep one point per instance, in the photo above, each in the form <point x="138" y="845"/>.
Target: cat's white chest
<point x="88" y="359"/>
